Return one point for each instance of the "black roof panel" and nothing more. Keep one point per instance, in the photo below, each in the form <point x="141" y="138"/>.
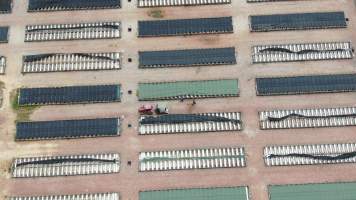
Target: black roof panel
<point x="54" y="5"/>
<point x="185" y="27"/>
<point x="69" y="95"/>
<point x="189" y="57"/>
<point x="306" y="84"/>
<point x="298" y="21"/>
<point x="67" y="129"/>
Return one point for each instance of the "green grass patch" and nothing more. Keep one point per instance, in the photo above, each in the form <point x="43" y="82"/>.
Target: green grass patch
<point x="156" y="13"/>
<point x="23" y="112"/>
<point x="2" y="86"/>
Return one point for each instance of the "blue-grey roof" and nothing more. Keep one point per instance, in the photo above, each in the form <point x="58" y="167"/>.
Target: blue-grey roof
<point x="67" y="129"/>
<point x="53" y="5"/>
<point x="4" y="32"/>
<point x="69" y="95"/>
<point x="298" y="21"/>
<point x="5" y="6"/>
<point x="185" y="26"/>
<point x="306" y="84"/>
<point x="189" y="57"/>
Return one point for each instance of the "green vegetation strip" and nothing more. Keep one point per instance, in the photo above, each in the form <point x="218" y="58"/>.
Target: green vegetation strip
<point x="186" y="89"/>
<point x="156" y="14"/>
<point x="226" y="193"/>
<point x="2" y="86"/>
<point x="23" y="112"/>
<point x="325" y="191"/>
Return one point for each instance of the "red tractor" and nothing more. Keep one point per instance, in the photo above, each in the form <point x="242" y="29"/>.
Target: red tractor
<point x="146" y="109"/>
<point x="149" y="109"/>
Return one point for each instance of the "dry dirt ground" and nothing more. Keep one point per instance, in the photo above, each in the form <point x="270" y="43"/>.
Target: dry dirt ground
<point x="129" y="181"/>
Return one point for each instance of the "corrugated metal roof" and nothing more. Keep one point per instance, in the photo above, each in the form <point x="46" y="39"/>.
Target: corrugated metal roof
<point x="95" y="196"/>
<point x="231" y="193"/>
